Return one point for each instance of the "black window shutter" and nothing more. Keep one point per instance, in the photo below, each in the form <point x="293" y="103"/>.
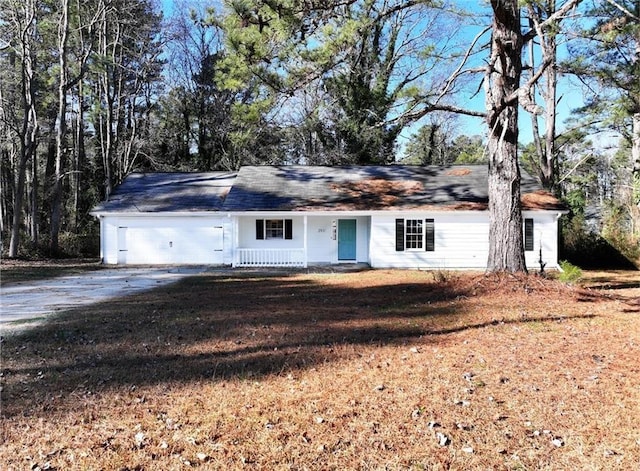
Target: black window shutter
<point x="288" y="229"/>
<point x="430" y="235"/>
<point x="399" y="235"/>
<point x="259" y="229"/>
<point x="528" y="234"/>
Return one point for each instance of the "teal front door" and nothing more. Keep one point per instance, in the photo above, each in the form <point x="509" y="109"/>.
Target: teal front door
<point x="346" y="239"/>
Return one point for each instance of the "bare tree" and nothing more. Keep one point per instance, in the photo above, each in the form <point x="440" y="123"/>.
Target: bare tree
<point x="66" y="81"/>
<point x="61" y="124"/>
<point x="545" y="145"/>
<point x="129" y="64"/>
<point x="22" y="18"/>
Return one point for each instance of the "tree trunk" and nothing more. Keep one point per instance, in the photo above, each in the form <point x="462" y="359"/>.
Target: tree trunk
<point x="29" y="128"/>
<point x="105" y="119"/>
<point x="549" y="161"/>
<point x="34" y="223"/>
<point x="4" y="190"/>
<point x="546" y="151"/>
<point x="547" y="154"/>
<point x="635" y="131"/>
<point x="6" y="169"/>
<point x="635" y="177"/>
<point x="61" y="130"/>
<point x="80" y="155"/>
<point x="18" y="198"/>
<point x="506" y="250"/>
<point x="635" y="134"/>
<point x="635" y="158"/>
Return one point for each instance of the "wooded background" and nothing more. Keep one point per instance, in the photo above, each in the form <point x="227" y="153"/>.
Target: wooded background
<point x="92" y="90"/>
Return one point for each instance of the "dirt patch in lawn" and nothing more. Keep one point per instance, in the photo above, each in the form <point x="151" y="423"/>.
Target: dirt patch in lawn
<point x="370" y="370"/>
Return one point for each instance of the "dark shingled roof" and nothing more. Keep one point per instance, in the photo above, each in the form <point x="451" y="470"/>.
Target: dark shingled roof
<point x="169" y="192"/>
<point x="307" y="188"/>
<point x="304" y="188"/>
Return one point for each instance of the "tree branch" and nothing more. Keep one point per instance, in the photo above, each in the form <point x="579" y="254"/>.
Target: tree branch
<point x="557" y="16"/>
<point x="431" y="107"/>
<point x="568" y="174"/>
<point x="615" y="4"/>
<point x="456" y="73"/>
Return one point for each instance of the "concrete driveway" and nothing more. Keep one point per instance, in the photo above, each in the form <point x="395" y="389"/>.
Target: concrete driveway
<point x="30" y="303"/>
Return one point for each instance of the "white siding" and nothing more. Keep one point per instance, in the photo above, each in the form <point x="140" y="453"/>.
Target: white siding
<point x="322" y="246"/>
<point x="247" y="234"/>
<point x="173" y="240"/>
<point x="109" y="240"/>
<point x="461" y="241"/>
<point x="545" y="237"/>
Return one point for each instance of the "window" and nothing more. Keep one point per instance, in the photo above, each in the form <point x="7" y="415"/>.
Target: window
<point x="274" y="229"/>
<point x="415" y="234"/>
<point x="528" y="235"/>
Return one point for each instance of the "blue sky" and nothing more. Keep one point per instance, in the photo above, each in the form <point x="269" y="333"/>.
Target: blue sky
<point x="570" y="92"/>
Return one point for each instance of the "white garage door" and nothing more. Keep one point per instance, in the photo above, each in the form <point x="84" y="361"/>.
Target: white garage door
<point x="180" y="243"/>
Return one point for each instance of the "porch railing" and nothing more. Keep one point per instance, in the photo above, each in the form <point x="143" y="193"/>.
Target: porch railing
<point x="270" y="258"/>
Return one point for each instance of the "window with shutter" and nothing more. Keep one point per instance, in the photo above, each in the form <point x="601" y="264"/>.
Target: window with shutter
<point x="415" y="234"/>
<point x="274" y="229"/>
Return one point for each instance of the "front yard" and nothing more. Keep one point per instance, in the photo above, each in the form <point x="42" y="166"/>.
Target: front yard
<point x="370" y="370"/>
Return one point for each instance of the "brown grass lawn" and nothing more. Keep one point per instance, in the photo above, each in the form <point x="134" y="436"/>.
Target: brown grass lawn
<point x="369" y="370"/>
<point x="12" y="271"/>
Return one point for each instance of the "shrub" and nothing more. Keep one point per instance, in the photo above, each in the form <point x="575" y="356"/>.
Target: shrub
<point x="570" y="273"/>
<point x="441" y="276"/>
<point x="79" y="245"/>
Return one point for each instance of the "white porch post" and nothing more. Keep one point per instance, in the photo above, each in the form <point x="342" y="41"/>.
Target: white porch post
<point x="235" y="239"/>
<point x="306" y="255"/>
<point x="103" y="231"/>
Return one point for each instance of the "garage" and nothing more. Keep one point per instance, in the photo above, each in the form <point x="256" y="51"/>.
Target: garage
<point x="179" y="242"/>
<point x="167" y="219"/>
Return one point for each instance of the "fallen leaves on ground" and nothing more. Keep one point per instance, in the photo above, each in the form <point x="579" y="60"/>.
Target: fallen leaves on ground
<point x="372" y="370"/>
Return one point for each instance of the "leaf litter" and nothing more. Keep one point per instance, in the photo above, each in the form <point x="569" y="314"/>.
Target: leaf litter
<point x="380" y="369"/>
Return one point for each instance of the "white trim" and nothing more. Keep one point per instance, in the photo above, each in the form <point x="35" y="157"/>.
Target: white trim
<point x="407" y="214"/>
<point x="304" y="241"/>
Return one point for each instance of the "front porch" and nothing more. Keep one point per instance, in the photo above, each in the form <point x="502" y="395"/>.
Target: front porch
<point x="299" y="240"/>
